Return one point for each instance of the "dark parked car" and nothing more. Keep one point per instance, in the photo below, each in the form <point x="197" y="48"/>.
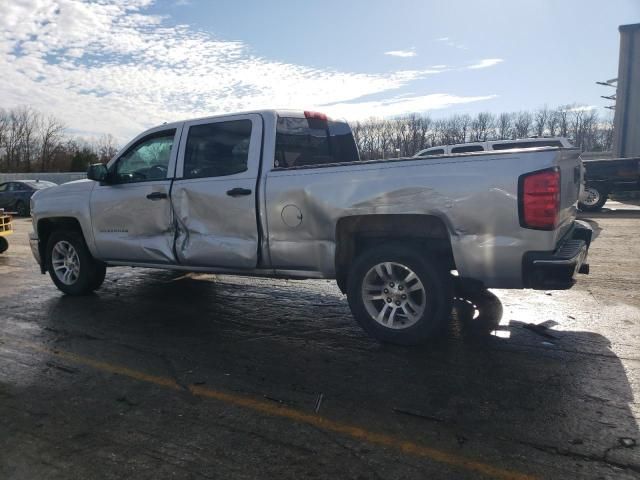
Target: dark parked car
<point x="14" y="196"/>
<point x="605" y="176"/>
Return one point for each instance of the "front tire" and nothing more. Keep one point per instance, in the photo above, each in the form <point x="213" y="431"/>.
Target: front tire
<point x="400" y="295"/>
<point x="70" y="264"/>
<point x="594" y="200"/>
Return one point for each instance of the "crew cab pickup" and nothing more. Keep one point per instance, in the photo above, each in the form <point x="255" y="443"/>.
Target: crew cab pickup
<point x="284" y="194"/>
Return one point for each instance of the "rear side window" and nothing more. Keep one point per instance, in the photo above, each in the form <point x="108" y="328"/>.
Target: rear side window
<point x="313" y="141"/>
<point x="437" y="151"/>
<point x="467" y="149"/>
<point x="217" y="149"/>
<point x="508" y="146"/>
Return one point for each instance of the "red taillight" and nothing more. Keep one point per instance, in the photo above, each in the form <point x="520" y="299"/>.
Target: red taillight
<point x="315" y="115"/>
<point x="540" y="199"/>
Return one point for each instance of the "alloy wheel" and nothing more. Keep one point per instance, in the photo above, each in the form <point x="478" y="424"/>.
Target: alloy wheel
<point x="65" y="262"/>
<point x="394" y="295"/>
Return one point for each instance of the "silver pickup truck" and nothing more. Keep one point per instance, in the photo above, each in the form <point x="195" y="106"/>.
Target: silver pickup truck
<point x="284" y="194"/>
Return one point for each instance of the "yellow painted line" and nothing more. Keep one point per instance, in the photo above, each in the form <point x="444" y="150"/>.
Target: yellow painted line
<point x="269" y="408"/>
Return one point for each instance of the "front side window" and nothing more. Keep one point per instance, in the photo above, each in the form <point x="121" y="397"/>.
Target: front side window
<point x="147" y="160"/>
<point x="217" y="149"/>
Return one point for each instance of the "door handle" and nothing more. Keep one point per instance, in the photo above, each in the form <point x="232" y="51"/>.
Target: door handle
<point x="157" y="196"/>
<point x="238" y="192"/>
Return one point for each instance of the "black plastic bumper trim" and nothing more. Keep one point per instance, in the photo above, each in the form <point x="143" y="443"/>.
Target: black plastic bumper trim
<point x="556" y="270"/>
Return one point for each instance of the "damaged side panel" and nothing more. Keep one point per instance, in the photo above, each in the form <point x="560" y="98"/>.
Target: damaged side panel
<point x="215" y="229"/>
<point x="480" y="211"/>
<point x="131" y="214"/>
<point x="214" y="194"/>
<point x="129" y="226"/>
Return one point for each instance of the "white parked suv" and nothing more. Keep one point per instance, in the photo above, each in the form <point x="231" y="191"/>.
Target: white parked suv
<point x="534" y="142"/>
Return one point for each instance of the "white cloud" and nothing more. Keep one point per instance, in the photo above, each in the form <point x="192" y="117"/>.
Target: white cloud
<point x="401" y="53"/>
<point x="451" y="43"/>
<point x="399" y="105"/>
<point x="487" y="62"/>
<point x="581" y="108"/>
<point x="110" y="66"/>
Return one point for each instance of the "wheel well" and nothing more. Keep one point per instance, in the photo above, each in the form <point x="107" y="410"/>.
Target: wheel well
<point x="357" y="233"/>
<point x="47" y="226"/>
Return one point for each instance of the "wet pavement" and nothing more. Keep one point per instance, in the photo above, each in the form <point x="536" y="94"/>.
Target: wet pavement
<point x="165" y="375"/>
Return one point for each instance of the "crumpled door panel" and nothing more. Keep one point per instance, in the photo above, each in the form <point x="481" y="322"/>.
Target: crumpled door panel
<point x="215" y="229"/>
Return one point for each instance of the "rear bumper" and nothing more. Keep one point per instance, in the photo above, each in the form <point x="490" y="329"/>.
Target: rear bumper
<point x="556" y="270"/>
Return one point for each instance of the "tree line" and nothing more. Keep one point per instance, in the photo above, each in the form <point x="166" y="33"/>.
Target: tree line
<point x="33" y="142"/>
<point x="404" y="136"/>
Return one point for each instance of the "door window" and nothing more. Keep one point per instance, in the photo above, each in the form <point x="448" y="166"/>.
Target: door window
<point x="147" y="160"/>
<point x="467" y="149"/>
<point x="508" y="146"/>
<point x="437" y="151"/>
<point x="217" y="149"/>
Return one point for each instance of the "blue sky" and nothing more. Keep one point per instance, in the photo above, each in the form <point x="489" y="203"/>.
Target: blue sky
<point x="120" y="66"/>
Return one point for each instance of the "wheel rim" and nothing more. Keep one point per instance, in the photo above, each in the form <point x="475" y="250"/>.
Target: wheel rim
<point x="393" y="295"/>
<point x="66" y="263"/>
<point x="592" y="196"/>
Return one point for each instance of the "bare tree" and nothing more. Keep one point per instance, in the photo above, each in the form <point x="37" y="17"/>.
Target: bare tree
<point x="106" y="147"/>
<point x="541" y="120"/>
<point x="28" y="140"/>
<point x="482" y="126"/>
<point x="562" y="118"/>
<point x="522" y="124"/>
<point x="504" y="126"/>
<point x="51" y="137"/>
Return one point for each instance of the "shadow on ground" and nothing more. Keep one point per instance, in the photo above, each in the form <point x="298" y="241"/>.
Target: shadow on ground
<point x="561" y="392"/>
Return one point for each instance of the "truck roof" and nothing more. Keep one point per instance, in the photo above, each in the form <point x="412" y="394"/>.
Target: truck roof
<point x="270" y="111"/>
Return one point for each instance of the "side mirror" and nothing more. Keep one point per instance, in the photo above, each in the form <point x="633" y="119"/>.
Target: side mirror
<point x="97" y="172"/>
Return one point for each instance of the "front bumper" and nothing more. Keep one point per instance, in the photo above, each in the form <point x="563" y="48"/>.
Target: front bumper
<point x="34" y="243"/>
<point x="556" y="270"/>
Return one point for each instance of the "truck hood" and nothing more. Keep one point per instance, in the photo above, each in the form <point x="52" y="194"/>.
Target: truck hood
<point x="66" y="196"/>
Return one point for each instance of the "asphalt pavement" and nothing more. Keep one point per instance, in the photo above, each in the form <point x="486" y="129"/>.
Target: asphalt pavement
<point x="171" y="375"/>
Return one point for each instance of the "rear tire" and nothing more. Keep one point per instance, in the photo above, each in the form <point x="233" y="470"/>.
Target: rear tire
<point x="4" y="244"/>
<point x="595" y="198"/>
<point x="400" y="295"/>
<point x="70" y="264"/>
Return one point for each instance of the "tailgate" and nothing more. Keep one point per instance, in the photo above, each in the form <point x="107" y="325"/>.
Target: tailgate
<point x="571" y="172"/>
